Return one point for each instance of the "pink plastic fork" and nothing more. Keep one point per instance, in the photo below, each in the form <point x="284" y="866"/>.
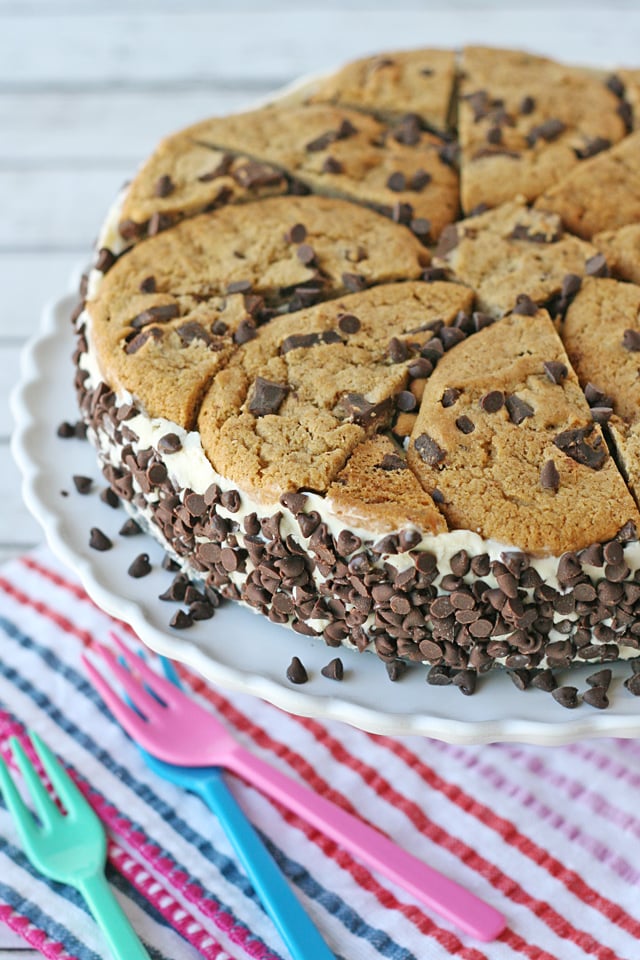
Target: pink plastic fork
<point x="180" y="731"/>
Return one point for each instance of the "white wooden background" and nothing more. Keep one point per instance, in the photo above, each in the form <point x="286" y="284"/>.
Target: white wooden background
<point x="88" y="86"/>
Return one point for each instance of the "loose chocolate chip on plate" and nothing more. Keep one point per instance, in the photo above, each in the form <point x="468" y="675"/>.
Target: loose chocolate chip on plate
<point x="465" y="681"/>
<point x="130" y="528"/>
<point x="139" y="567"/>
<point x="544" y="680"/>
<point x="632" y="683"/>
<point x="296" y="671"/>
<point x="82" y="484"/>
<point x="596" y="696"/>
<point x="110" y="497"/>
<point x="566" y="696"/>
<point x="396" y="669"/>
<point x="98" y="540"/>
<point x="334" y="670"/>
<point x="181" y="620"/>
<point x="600" y="679"/>
<point x="66" y="430"/>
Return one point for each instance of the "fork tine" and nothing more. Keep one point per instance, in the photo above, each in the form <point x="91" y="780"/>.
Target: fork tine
<point x="43" y="802"/>
<point x="141" y="699"/>
<point x="163" y="688"/>
<point x="65" y="787"/>
<point x="21" y="814"/>
<point x="126" y="715"/>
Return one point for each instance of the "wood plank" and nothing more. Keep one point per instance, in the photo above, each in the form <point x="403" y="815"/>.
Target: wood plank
<point x="29" y="281"/>
<point x="71" y="128"/>
<point x="226" y="47"/>
<point x="58" y="209"/>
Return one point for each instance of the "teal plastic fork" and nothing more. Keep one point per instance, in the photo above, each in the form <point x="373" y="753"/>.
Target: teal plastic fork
<point x="296" y="928"/>
<point x="71" y="849"/>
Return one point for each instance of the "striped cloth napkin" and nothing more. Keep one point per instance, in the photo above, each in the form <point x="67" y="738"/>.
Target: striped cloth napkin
<point x="550" y="836"/>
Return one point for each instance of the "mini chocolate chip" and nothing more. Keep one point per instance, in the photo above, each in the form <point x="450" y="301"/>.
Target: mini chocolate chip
<point x="574" y="444"/>
<point x="201" y="610"/>
<point x="600" y="679"/>
<point x="613" y="552"/>
<point x="397" y="182"/>
<point x="331" y="165"/>
<point x="348" y="323"/>
<point x="632" y="683"/>
<point x="593" y="555"/>
<point x="157" y="474"/>
<point x="555" y="370"/>
<point x="296" y="672"/>
<point x="267" y="397"/>
<point x="105" y="260"/>
<point x="159" y="314"/>
<point x="169" y="443"/>
<point x="439" y="675"/>
<point x="297" y="233"/>
<point x="601" y="414"/>
<point x="631" y="340"/>
<point x="164" y="186"/>
<point x="615" y="85"/>
<point x="140" y="567"/>
<point x="525" y="306"/>
<point x="494" y="135"/>
<point x="592" y="147"/>
<point x="110" y="497"/>
<point x="230" y="500"/>
<point x="449" y="396"/>
<point x="596" y="697"/>
<point x="465" y="425"/>
<point x="548" y="131"/>
<point x="181" y="620"/>
<point x="465" y="681"/>
<point x="517" y="408"/>
<point x="549" y="477"/>
<point x="305" y="253"/>
<point x="239" y="286"/>
<point x="66" y="430"/>
<point x="151" y="333"/>
<point x="493" y="401"/>
<point x="419" y="180"/>
<point x="596" y="266"/>
<point x="447" y="241"/>
<point x="334" y="670"/>
<point x="130" y="528"/>
<point x="428" y="449"/>
<point x="544" y="680"/>
<point x="527" y="105"/>
<point x="396" y="669"/>
<point x="98" y="540"/>
<point x="82" y="484"/>
<point x="354" y="282"/>
<point x="566" y="696"/>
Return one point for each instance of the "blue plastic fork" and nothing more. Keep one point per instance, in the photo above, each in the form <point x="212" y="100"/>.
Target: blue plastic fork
<point x="294" y="925"/>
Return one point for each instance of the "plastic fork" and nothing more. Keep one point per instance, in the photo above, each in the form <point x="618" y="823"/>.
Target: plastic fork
<point x="180" y="731"/>
<point x="71" y="849"/>
<point x="294" y="925"/>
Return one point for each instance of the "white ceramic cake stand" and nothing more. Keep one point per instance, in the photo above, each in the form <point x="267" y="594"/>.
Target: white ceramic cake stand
<point x="238" y="649"/>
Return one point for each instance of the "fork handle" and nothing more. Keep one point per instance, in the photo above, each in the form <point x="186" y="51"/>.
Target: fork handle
<point x="294" y="925"/>
<point x="432" y="888"/>
<point x="123" y="941"/>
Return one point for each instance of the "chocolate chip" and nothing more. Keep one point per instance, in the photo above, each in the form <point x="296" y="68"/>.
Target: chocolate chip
<point x="447" y="241"/>
<point x="164" y="186"/>
<point x="82" y="484"/>
<point x="406" y="401"/>
<point x="348" y="323"/>
<point x="308" y="522"/>
<point x="420" y="180"/>
<point x="517" y="408"/>
<point x="105" y="260"/>
<point x="566" y="696"/>
<point x="494" y="135"/>
<point x="574" y="444"/>
<point x="615" y="85"/>
<point x="596" y="697"/>
<point x="306" y="254"/>
<point x="295" y="502"/>
<point x="449" y="396"/>
<point x="110" y="497"/>
<point x="408" y="130"/>
<point x="297" y="233"/>
<point x="239" y="286"/>
<point x="354" y="407"/>
<point x="465" y="425"/>
<point x="98" y="540"/>
<point x="555" y="370"/>
<point x="130" y="528"/>
<point x="527" y="105"/>
<point x="299" y="341"/>
<point x="230" y="500"/>
<point x="549" y="477"/>
<point x="392" y="461"/>
<point x="151" y="333"/>
<point x="140" y="567"/>
<point x="169" y="443"/>
<point x="631" y="340"/>
<point x="596" y="266"/>
<point x="157" y="474"/>
<point x="296" y="672"/>
<point x="613" y="552"/>
<point x="160" y="314"/>
<point x="548" y="131"/>
<point x="267" y="397"/>
<point x="600" y="679"/>
<point x="397" y="182"/>
<point x="591" y="147"/>
<point x="421" y="227"/>
<point x="601" y="414"/>
<point x="493" y="401"/>
<point x="465" y="681"/>
<point x="525" y="306"/>
<point x="439" y="676"/>
<point x="354" y="282"/>
<point x="632" y="683"/>
<point x="331" y="165"/>
<point x="181" y="620"/>
<point x="396" y="669"/>
<point x="334" y="670"/>
<point x="428" y="449"/>
<point x="544" y="680"/>
<point x="66" y="430"/>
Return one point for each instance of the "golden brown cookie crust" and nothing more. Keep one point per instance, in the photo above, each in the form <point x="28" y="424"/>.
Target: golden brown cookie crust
<point x="487" y="458"/>
<point x="622" y="251"/>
